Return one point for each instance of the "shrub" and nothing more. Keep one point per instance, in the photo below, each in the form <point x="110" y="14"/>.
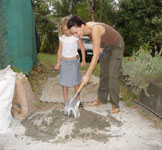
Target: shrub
<point x="141" y="67"/>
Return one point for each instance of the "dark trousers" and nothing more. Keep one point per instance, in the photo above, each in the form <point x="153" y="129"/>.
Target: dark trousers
<point x="110" y="69"/>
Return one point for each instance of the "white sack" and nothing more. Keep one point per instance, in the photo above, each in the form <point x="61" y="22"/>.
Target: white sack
<point x="7" y="87"/>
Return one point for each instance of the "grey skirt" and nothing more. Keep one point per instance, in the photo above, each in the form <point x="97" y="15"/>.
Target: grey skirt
<point x="70" y="73"/>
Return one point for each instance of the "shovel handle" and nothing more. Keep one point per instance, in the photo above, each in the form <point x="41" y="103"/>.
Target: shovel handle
<point x="78" y="91"/>
<point x="80" y="87"/>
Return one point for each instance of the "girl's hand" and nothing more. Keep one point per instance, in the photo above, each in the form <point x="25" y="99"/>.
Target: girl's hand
<point x="57" y="67"/>
<point x="83" y="64"/>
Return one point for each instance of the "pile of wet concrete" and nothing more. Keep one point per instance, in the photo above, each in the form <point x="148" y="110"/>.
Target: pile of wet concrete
<point x="54" y="126"/>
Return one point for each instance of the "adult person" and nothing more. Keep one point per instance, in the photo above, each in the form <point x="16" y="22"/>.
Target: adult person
<point x="108" y="43"/>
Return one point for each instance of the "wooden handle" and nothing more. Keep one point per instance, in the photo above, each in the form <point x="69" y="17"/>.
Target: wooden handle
<point x="80" y="87"/>
<point x="78" y="91"/>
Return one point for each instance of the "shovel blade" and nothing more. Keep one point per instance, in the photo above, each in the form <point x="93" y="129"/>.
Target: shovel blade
<point x="73" y="110"/>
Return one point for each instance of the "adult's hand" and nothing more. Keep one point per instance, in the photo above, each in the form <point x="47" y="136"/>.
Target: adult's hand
<point x="85" y="79"/>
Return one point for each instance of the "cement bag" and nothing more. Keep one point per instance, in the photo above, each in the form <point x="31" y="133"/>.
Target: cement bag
<point x="7" y="87"/>
<point x="23" y="101"/>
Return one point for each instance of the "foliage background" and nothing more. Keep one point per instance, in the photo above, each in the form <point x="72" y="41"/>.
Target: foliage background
<point x="138" y="21"/>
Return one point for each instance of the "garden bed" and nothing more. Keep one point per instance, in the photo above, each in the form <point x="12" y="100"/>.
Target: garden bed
<point x="142" y="75"/>
<point x="151" y="97"/>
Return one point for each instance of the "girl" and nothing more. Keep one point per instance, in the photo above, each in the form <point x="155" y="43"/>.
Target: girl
<point x="68" y="59"/>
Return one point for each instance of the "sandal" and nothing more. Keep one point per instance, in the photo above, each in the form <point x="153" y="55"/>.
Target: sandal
<point x="115" y="110"/>
<point x="95" y="103"/>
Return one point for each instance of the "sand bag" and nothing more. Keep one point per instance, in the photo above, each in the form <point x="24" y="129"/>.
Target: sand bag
<point x="23" y="101"/>
<point x="7" y="87"/>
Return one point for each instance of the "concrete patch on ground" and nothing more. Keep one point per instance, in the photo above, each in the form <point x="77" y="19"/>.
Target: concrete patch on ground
<point x="52" y="91"/>
<point x="96" y="129"/>
<point x="54" y="126"/>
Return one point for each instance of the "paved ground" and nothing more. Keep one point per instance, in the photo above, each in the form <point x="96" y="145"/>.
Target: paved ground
<point x="52" y="91"/>
<point x="96" y="129"/>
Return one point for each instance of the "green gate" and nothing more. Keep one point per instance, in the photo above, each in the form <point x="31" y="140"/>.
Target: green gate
<point x="17" y="35"/>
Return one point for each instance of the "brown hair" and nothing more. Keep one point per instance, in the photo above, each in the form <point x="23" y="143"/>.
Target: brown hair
<point x="75" y="21"/>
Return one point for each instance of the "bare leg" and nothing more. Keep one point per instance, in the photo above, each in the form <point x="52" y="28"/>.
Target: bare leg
<point x="76" y="88"/>
<point x="65" y="93"/>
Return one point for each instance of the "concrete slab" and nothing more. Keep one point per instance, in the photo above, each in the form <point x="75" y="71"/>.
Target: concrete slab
<point x="96" y="129"/>
<point x="52" y="91"/>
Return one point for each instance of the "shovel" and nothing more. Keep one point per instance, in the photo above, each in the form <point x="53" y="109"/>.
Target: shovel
<point x="71" y="108"/>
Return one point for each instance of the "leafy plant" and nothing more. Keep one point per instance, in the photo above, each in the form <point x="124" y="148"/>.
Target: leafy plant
<point x="142" y="67"/>
<point x="46" y="25"/>
<point x="139" y="21"/>
<point x="126" y="95"/>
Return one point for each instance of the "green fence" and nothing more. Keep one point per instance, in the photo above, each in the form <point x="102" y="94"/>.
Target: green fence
<point x="17" y="35"/>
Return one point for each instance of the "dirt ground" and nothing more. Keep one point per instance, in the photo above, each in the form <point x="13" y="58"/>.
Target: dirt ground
<point x="96" y="128"/>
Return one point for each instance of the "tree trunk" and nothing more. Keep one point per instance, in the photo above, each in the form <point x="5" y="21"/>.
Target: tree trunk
<point x="92" y="2"/>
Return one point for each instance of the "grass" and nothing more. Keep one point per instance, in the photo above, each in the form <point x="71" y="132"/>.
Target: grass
<point x="126" y="96"/>
<point x="52" y="59"/>
<point x="157" y="122"/>
<point x="96" y="71"/>
<point x="39" y="76"/>
<point x="47" y="58"/>
<point x="159" y="125"/>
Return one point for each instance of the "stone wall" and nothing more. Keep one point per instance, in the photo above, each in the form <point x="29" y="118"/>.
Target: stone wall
<point x="151" y="97"/>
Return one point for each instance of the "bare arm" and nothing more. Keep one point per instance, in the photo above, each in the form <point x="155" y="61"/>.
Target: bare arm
<point x="97" y="32"/>
<point x="57" y="67"/>
<point x="82" y="52"/>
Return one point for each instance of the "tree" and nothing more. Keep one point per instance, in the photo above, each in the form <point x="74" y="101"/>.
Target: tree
<point x="92" y="2"/>
<point x="47" y="27"/>
<point x="49" y="12"/>
<point x="139" y="21"/>
<point x="105" y="11"/>
<point x="66" y="7"/>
